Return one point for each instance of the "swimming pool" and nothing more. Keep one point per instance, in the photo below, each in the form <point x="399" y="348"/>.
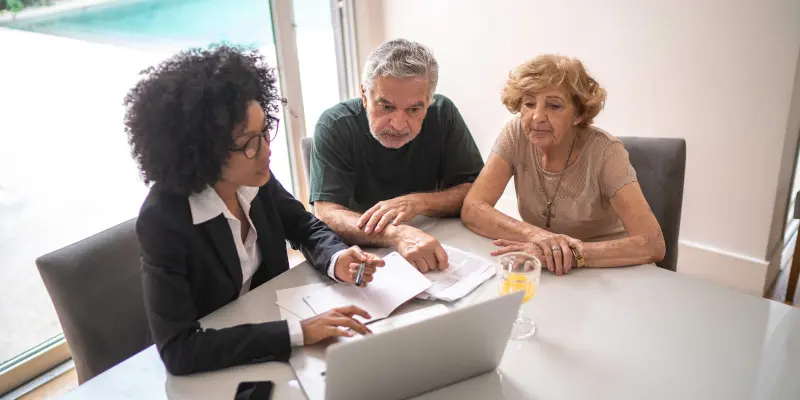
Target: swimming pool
<point x="163" y="24"/>
<point x="161" y="27"/>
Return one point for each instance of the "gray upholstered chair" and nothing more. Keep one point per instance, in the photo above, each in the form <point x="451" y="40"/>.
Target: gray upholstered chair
<point x="660" y="165"/>
<point x="306" y="144"/>
<point x="96" y="289"/>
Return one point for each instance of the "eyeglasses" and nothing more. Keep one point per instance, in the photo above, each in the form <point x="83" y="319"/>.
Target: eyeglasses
<point x="253" y="145"/>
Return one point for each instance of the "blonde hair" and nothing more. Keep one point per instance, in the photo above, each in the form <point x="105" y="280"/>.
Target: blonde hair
<point x="555" y="71"/>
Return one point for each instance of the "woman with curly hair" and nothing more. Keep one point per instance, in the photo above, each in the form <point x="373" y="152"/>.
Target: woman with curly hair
<point x="215" y="223"/>
<point x="577" y="192"/>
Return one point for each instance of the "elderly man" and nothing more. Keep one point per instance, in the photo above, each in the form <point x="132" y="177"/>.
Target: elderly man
<point x="397" y="152"/>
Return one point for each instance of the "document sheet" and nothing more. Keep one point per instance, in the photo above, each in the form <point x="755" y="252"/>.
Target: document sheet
<point x="465" y="273"/>
<point x="291" y="303"/>
<point x="393" y="284"/>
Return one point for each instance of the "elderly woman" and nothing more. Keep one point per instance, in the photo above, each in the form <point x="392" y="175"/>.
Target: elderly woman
<point x="577" y="192"/>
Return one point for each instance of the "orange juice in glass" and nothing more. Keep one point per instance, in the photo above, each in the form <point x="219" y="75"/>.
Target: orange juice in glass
<point x="520" y="272"/>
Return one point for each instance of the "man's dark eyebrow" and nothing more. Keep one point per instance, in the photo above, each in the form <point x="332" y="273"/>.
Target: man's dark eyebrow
<point x="384" y="101"/>
<point x="418" y="104"/>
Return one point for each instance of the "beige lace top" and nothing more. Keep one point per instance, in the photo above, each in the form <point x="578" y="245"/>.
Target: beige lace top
<point x="582" y="207"/>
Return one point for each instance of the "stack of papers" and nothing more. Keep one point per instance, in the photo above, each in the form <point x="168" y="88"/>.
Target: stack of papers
<point x="291" y="303"/>
<point x="465" y="273"/>
<point x="393" y="285"/>
<point x="409" y="318"/>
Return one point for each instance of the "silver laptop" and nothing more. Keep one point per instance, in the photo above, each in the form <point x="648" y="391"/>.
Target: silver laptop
<point x="414" y="359"/>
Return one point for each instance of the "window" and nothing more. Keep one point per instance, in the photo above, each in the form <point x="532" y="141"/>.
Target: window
<point x="66" y="167"/>
<point x="320" y="83"/>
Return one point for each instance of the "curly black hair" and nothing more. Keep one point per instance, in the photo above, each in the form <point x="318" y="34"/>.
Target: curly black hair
<point x="180" y="116"/>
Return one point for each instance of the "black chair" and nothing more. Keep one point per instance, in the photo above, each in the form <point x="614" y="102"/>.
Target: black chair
<point x="660" y="165"/>
<point x="96" y="289"/>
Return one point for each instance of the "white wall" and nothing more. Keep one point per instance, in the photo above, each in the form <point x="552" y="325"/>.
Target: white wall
<point x="720" y="74"/>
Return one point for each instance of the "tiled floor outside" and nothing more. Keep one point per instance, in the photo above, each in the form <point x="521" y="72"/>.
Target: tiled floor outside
<point x="65" y="166"/>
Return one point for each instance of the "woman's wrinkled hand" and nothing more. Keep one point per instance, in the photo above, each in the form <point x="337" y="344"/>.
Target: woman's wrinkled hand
<point x="553" y="250"/>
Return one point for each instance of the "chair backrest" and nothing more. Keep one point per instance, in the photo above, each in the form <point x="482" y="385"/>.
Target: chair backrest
<point x="660" y="165"/>
<point x="797" y="205"/>
<point x="95" y="286"/>
<point x="305" y="146"/>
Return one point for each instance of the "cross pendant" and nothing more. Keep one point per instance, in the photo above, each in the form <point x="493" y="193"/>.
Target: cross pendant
<point x="548" y="212"/>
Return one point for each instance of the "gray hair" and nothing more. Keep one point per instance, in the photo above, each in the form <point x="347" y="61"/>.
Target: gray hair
<point x="401" y="58"/>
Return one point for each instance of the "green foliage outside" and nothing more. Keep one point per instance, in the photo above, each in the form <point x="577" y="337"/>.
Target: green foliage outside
<point x="17" y="5"/>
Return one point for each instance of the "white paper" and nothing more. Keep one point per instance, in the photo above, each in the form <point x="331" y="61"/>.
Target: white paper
<point x="397" y="321"/>
<point x="291" y="301"/>
<point x="464" y="273"/>
<point x="392" y="285"/>
<point x="408" y="318"/>
<point x="287" y="315"/>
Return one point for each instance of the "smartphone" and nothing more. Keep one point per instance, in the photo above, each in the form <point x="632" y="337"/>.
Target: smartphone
<point x="260" y="390"/>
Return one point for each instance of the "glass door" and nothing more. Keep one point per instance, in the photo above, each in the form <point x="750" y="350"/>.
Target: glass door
<point x="66" y="167"/>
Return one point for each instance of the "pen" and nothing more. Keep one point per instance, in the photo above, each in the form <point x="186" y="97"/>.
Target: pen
<point x="360" y="275"/>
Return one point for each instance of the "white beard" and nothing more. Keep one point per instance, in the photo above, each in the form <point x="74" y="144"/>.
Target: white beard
<point x="390" y="138"/>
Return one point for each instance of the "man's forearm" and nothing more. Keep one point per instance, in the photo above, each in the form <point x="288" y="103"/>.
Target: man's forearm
<point x="446" y="203"/>
<point x="345" y="223"/>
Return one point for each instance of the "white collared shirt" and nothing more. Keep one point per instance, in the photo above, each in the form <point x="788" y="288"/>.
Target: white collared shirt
<point x="207" y="205"/>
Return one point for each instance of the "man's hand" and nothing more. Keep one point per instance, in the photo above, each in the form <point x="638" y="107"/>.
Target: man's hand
<point x="423" y="251"/>
<point x="347" y="265"/>
<point x="395" y="211"/>
<point x="329" y="324"/>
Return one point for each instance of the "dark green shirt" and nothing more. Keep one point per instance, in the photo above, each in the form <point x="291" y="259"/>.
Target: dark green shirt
<point x="351" y="168"/>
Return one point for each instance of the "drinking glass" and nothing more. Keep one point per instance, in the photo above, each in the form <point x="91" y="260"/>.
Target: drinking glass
<point x="520" y="272"/>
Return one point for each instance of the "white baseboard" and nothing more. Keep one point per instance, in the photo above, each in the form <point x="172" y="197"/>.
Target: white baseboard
<point x="751" y="275"/>
<point x="737" y="271"/>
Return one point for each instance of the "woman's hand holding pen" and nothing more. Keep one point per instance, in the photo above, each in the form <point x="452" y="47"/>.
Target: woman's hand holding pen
<point x="340" y="321"/>
<point x="349" y="262"/>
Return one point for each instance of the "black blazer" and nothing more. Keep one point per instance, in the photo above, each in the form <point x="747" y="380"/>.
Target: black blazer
<point x="190" y="270"/>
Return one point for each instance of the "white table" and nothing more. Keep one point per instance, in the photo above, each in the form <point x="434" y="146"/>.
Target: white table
<point x="620" y="333"/>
